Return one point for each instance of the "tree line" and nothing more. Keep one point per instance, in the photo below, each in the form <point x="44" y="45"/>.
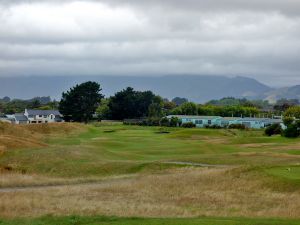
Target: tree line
<point x="85" y="102"/>
<point x="12" y="106"/>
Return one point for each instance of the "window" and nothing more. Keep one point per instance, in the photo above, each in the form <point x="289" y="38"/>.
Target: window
<point x="198" y="121"/>
<point x="209" y="121"/>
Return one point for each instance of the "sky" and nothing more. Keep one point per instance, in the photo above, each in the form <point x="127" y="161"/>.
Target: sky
<point x="257" y="38"/>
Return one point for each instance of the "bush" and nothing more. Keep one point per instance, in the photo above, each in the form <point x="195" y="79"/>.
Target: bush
<point x="174" y="122"/>
<point x="139" y="122"/>
<point x="291" y="131"/>
<point x="288" y="121"/>
<point x="273" y="129"/>
<point x="213" y="126"/>
<point x="237" y="126"/>
<point x="153" y="122"/>
<point x="188" y="125"/>
<point x="164" y="122"/>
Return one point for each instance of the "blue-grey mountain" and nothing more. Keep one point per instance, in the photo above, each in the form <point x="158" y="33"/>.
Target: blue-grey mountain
<point x="195" y="88"/>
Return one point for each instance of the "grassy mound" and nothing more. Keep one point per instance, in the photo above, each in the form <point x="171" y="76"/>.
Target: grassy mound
<point x="31" y="135"/>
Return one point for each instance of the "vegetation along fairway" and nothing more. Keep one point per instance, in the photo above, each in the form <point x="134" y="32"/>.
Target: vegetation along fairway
<point x="111" y="169"/>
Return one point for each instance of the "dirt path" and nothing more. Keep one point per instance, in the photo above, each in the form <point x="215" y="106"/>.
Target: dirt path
<point x="193" y="164"/>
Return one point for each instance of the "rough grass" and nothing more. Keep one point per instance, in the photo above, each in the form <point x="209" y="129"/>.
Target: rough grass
<point x="184" y="192"/>
<point x="97" y="220"/>
<point x="31" y="135"/>
<point x="252" y="182"/>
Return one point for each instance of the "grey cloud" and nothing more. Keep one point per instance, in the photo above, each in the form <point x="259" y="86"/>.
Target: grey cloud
<point x="288" y="7"/>
<point x="231" y="37"/>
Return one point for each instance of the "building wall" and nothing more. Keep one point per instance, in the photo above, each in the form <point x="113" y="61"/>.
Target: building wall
<point x="220" y="121"/>
<point x="202" y="122"/>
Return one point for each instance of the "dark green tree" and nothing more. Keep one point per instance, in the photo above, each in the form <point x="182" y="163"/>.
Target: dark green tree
<point x="123" y="104"/>
<point x="130" y="104"/>
<point x="34" y="104"/>
<point x="80" y="102"/>
<point x="189" y="108"/>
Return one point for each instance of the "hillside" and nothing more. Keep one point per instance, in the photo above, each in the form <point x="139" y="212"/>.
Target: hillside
<point x="195" y="88"/>
<point x="287" y="92"/>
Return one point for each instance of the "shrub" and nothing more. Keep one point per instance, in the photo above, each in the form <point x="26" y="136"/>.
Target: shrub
<point x="213" y="126"/>
<point x="288" y="121"/>
<point x="188" y="125"/>
<point x="273" y="129"/>
<point x="237" y="126"/>
<point x="153" y="121"/>
<point x="291" y="131"/>
<point x="174" y="122"/>
<point x="164" y="122"/>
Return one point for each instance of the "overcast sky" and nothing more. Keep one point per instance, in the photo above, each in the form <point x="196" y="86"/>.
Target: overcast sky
<point x="257" y="38"/>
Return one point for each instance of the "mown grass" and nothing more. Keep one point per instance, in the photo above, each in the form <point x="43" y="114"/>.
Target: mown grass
<point x="74" y="220"/>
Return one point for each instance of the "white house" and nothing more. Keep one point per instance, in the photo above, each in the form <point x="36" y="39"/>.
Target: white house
<point x="43" y="116"/>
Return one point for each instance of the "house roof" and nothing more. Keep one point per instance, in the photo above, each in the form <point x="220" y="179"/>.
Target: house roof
<point x="193" y="117"/>
<point x="261" y="120"/>
<point x="231" y="118"/>
<point x="34" y="112"/>
<point x="20" y="117"/>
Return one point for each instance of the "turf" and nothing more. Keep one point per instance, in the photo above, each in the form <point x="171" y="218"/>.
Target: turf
<point x="108" y="149"/>
<point x="248" y="159"/>
<point x="73" y="220"/>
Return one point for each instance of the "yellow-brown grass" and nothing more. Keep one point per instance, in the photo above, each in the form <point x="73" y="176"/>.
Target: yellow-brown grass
<point x="31" y="135"/>
<point x="185" y="192"/>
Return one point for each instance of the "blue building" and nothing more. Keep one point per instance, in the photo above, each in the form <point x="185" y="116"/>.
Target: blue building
<point x="258" y="123"/>
<point x="199" y="121"/>
<point x="249" y="122"/>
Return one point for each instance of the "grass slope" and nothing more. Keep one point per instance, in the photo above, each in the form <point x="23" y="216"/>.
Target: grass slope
<point x="106" y="150"/>
<point x="258" y="177"/>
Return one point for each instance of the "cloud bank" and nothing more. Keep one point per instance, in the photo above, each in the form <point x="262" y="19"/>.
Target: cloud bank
<point x="259" y="39"/>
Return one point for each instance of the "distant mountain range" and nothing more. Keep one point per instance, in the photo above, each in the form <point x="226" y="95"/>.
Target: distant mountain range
<point x="199" y="89"/>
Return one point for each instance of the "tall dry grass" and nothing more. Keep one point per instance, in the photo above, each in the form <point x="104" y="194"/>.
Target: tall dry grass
<point x="186" y="192"/>
<point x="32" y="135"/>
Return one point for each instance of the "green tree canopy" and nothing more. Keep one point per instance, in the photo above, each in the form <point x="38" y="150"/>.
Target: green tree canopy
<point x="189" y="108"/>
<point x="129" y="104"/>
<point x="293" y="111"/>
<point x="80" y="102"/>
<point x="103" y="111"/>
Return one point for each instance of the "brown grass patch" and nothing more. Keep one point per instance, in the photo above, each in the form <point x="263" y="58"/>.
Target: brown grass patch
<point x="288" y="147"/>
<point x="32" y="135"/>
<point x="186" y="192"/>
<point x="209" y="139"/>
<point x="257" y="145"/>
<point x="10" y="142"/>
<point x="268" y="154"/>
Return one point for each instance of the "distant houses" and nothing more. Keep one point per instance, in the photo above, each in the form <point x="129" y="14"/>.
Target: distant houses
<point x="34" y="116"/>
<point x="206" y="121"/>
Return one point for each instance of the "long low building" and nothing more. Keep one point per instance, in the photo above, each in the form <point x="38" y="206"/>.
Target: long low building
<point x="249" y="122"/>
